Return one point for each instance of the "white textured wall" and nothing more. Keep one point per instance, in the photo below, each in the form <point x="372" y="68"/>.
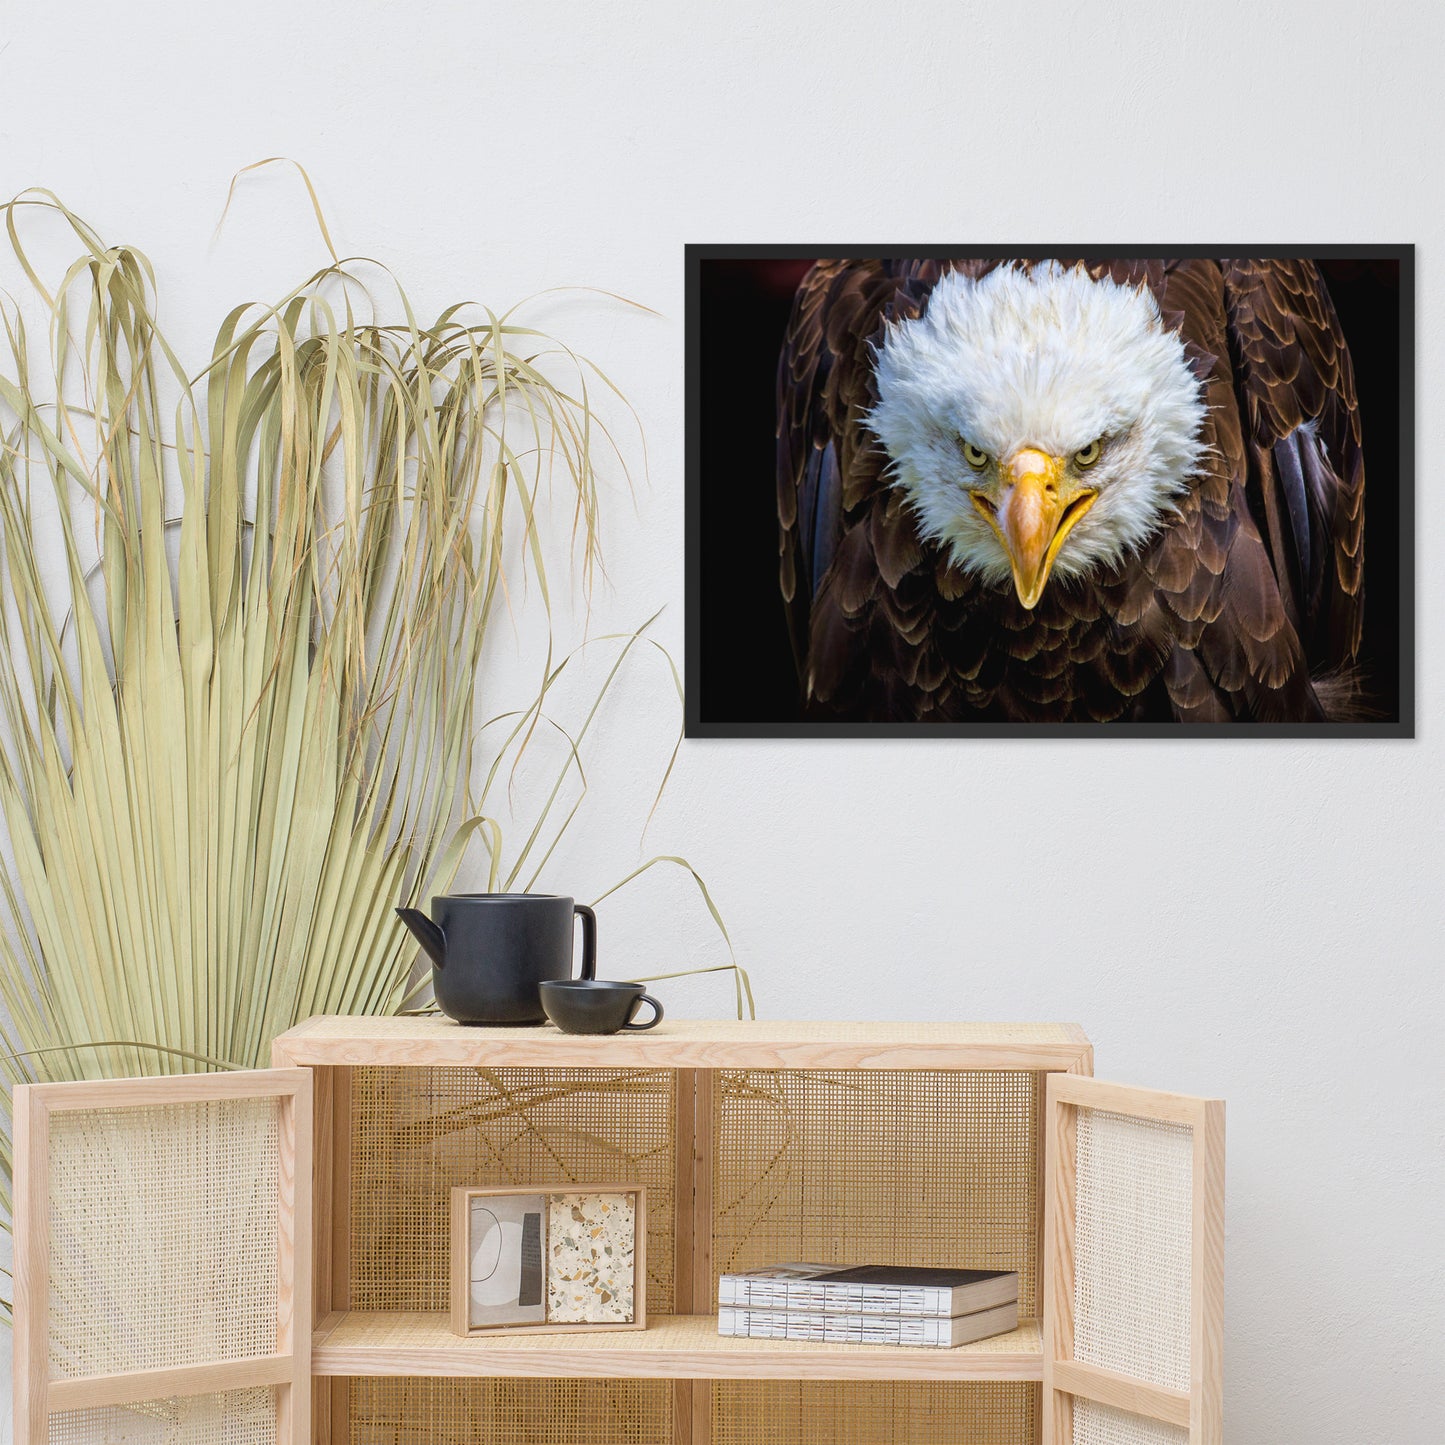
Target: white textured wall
<point x="1258" y="921"/>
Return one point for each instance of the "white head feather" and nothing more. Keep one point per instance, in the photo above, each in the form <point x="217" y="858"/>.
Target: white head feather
<point x="1046" y="358"/>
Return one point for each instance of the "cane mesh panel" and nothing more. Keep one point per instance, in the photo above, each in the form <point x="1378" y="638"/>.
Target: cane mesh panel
<point x="416" y="1133"/>
<point x="163" y="1247"/>
<point x="878" y="1167"/>
<point x="1096" y="1424"/>
<point x="778" y="1412"/>
<point x="1133" y="1246"/>
<point x="233" y="1417"/>
<point x="409" y="1411"/>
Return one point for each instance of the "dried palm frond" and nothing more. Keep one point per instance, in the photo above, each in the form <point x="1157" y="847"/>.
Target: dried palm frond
<point x="242" y="615"/>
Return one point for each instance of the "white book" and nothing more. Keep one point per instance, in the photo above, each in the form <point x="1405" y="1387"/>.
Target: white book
<point x="843" y="1329"/>
<point x="869" y="1289"/>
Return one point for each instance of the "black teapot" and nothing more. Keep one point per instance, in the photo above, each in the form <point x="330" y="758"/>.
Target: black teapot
<point x="491" y="951"/>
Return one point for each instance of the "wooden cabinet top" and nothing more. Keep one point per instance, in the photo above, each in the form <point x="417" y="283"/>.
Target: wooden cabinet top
<point x="689" y="1044"/>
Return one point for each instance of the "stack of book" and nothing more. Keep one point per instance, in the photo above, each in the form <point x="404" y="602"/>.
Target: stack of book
<point x="869" y="1304"/>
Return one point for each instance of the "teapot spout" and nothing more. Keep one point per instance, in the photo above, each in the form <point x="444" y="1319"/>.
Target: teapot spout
<point x="431" y="938"/>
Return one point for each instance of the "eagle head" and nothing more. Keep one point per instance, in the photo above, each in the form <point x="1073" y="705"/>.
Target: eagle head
<point x="1039" y="421"/>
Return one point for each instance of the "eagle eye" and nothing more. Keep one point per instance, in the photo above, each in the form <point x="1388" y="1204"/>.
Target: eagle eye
<point x="1086" y="456"/>
<point x="977" y="459"/>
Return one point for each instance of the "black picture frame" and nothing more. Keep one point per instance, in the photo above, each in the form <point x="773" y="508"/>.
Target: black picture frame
<point x="732" y="646"/>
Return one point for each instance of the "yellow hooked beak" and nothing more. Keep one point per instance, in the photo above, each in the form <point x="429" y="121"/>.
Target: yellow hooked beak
<point x="1036" y="510"/>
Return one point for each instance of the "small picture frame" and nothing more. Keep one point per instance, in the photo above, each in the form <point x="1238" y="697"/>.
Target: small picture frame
<point x="549" y="1258"/>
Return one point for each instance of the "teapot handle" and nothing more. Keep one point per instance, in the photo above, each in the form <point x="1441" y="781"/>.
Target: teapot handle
<point x="589" y="940"/>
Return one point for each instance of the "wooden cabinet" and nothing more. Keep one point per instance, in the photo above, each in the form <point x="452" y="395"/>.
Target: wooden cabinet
<point x="983" y="1144"/>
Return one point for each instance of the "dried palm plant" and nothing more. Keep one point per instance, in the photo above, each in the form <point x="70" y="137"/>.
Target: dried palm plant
<point x="242" y="614"/>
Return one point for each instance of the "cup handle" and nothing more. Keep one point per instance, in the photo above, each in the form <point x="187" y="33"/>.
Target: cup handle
<point x="589" y="940"/>
<point x="653" y="1022"/>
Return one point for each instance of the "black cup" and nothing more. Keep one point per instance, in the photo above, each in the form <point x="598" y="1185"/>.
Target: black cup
<point x="596" y="1006"/>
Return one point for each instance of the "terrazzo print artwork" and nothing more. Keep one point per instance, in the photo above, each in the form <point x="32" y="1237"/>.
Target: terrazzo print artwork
<point x="591" y="1264"/>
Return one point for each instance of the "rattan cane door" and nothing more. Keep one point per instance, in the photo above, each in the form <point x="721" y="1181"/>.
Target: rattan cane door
<point x="1133" y="1266"/>
<point x="162" y="1249"/>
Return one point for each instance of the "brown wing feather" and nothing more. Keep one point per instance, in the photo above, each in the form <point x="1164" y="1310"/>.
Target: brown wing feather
<point x="1220" y="599"/>
<point x="829" y="470"/>
<point x="1296" y="393"/>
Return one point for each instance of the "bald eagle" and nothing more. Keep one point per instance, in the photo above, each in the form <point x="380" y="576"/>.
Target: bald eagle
<point x="1053" y="492"/>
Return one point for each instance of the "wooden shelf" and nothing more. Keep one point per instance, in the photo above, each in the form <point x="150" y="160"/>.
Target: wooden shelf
<point x="688" y="1044"/>
<point x="672" y="1347"/>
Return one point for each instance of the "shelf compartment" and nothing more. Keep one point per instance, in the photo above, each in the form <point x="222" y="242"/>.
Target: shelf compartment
<point x="936" y="1168"/>
<point x="415" y="1133"/>
<point x="673" y="1347"/>
<point x="455" y="1410"/>
<point x="909" y="1412"/>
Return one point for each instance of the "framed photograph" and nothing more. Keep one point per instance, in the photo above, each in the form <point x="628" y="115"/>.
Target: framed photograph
<point x="559" y="1259"/>
<point x="1125" y="493"/>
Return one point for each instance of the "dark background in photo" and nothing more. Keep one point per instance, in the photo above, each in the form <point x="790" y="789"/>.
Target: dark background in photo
<point x="746" y="670"/>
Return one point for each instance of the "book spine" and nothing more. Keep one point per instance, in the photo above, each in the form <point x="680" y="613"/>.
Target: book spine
<point x="744" y="1292"/>
<point x="834" y="1328"/>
